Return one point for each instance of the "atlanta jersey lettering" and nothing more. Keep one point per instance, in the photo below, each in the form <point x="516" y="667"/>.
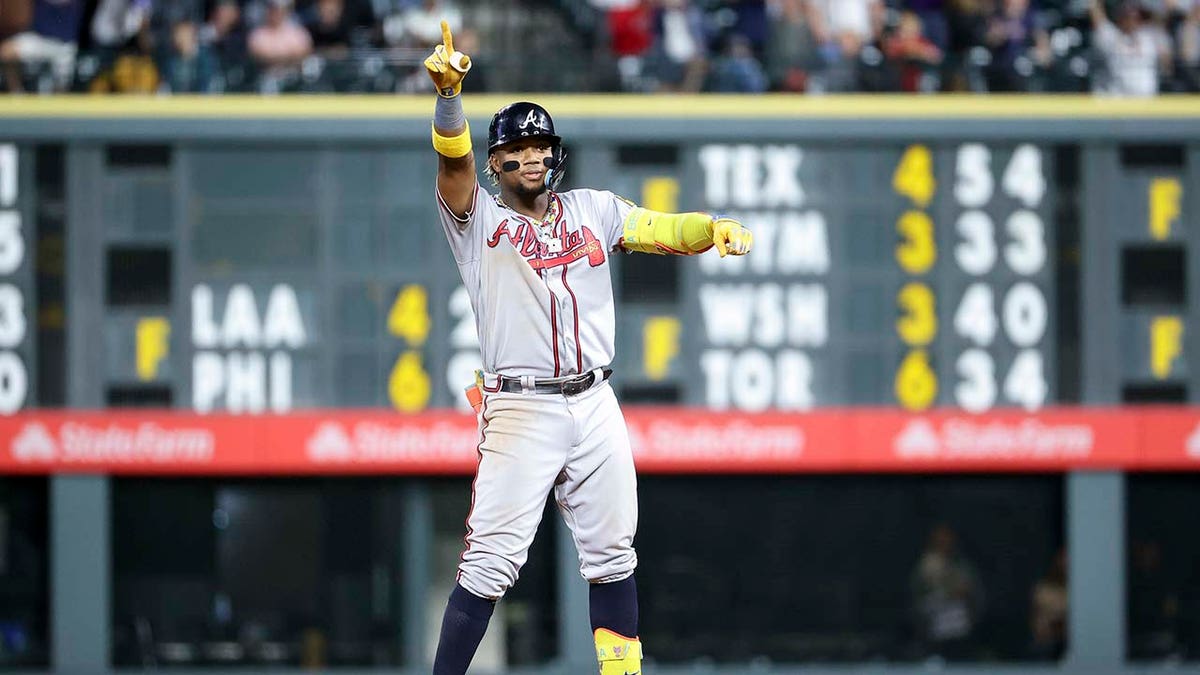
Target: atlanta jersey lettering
<point x="541" y="291"/>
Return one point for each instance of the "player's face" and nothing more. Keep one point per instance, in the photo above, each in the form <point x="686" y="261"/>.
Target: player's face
<point x="529" y="176"/>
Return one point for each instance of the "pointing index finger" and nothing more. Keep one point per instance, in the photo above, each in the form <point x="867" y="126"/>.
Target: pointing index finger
<point x="447" y="39"/>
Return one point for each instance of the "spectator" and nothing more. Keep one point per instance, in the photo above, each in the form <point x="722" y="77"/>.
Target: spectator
<point x="337" y="26"/>
<point x="187" y="66"/>
<point x="280" y="43"/>
<point x="223" y="34"/>
<point x="932" y="14"/>
<point x="1188" y="36"/>
<point x="947" y="596"/>
<point x="1017" y="44"/>
<point x="679" y="57"/>
<point x="1048" y="611"/>
<point x="420" y="26"/>
<point x="751" y="22"/>
<point x="1132" y="52"/>
<point x="330" y="27"/>
<point x="630" y="36"/>
<point x="15" y="16"/>
<point x="1153" y="605"/>
<point x="131" y="73"/>
<point x="737" y="71"/>
<point x="968" y="24"/>
<point x="790" y="52"/>
<point x="841" y="29"/>
<point x="1183" y="29"/>
<point x="117" y="22"/>
<point x="912" y="51"/>
<point x="123" y="40"/>
<point x="52" y="39"/>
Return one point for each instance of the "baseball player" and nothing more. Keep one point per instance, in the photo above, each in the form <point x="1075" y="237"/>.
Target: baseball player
<point x="535" y="264"/>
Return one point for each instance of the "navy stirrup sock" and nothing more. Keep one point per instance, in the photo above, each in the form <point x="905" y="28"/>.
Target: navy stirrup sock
<point x="614" y="606"/>
<point x="463" y="625"/>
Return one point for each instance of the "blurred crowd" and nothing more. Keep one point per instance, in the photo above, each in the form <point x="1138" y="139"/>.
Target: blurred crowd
<point x="1117" y="47"/>
<point x="214" y="46"/>
<point x="1125" y="47"/>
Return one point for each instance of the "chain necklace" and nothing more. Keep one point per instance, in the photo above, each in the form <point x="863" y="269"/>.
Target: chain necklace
<point x="551" y="210"/>
<point x="544" y="228"/>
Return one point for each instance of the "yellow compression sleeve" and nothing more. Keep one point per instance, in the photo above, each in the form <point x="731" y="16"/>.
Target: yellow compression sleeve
<point x="453" y="146"/>
<point x="649" y="231"/>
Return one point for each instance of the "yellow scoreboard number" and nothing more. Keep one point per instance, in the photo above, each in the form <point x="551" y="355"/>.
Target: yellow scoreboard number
<point x="916" y="384"/>
<point x="408" y="384"/>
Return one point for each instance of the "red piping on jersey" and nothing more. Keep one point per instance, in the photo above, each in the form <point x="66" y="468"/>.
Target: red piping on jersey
<point x="478" y="451"/>
<point x="553" y="321"/>
<point x="575" y="306"/>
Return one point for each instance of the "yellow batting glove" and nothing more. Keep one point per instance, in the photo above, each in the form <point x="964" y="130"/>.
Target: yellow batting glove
<point x="731" y="237"/>
<point x="446" y="67"/>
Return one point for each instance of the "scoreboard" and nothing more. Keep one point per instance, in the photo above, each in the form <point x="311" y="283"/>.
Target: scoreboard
<point x="914" y="271"/>
<point x="918" y="275"/>
<point x="17" y="338"/>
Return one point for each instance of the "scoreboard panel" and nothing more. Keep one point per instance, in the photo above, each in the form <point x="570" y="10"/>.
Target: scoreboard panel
<point x="914" y="271"/>
<point x="18" y="311"/>
<point x="917" y="276"/>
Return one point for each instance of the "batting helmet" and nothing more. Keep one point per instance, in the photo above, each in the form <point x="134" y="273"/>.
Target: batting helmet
<point x="523" y="119"/>
<point x="520" y="120"/>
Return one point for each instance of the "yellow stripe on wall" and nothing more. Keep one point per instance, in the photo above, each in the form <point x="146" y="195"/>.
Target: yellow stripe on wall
<point x="606" y="106"/>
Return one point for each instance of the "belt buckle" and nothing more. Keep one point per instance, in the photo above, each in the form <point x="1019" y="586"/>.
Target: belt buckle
<point x="577" y="386"/>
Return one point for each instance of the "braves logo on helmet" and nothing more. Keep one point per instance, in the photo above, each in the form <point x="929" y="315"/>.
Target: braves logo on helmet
<point x="534" y="120"/>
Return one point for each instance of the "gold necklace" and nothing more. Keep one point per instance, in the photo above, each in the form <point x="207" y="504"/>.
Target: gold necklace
<point x="551" y="210"/>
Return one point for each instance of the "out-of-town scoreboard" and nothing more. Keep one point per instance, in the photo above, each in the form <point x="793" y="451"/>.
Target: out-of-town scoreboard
<point x="939" y="271"/>
<point x="918" y="275"/>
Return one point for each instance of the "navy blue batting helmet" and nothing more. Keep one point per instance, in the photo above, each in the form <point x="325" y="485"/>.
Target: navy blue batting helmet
<point x="520" y="120"/>
<point x="516" y="121"/>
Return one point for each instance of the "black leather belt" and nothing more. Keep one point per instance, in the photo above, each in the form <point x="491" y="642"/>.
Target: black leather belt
<point x="566" y="386"/>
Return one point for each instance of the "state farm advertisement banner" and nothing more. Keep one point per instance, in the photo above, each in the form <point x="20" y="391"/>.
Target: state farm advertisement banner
<point x="126" y="443"/>
<point x="665" y="440"/>
<point x="1000" y="441"/>
<point x="673" y="440"/>
<point x="373" y="442"/>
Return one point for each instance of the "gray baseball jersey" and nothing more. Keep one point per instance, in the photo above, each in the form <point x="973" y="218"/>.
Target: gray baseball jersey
<point x="541" y="293"/>
<point x="543" y="305"/>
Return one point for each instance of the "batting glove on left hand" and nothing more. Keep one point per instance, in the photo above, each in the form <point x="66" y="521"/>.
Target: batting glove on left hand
<point x="731" y="237"/>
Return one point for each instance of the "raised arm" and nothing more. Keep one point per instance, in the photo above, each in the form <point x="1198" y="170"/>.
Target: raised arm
<point x="451" y="134"/>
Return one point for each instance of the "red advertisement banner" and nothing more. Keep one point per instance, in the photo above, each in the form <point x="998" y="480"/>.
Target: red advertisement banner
<point x="665" y="440"/>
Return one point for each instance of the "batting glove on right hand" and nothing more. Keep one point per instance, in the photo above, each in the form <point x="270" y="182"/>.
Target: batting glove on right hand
<point x="446" y="67"/>
<point x="731" y="237"/>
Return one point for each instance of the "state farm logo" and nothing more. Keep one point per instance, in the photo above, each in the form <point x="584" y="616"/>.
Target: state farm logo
<point x="739" y="439"/>
<point x="34" y="444"/>
<point x="1193" y="443"/>
<point x="959" y="438"/>
<point x="374" y="442"/>
<point x="330" y="443"/>
<point x="82" y="442"/>
<point x="918" y="439"/>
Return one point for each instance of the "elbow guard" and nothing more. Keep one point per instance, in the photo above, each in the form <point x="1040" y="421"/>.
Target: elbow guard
<point x="647" y="231"/>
